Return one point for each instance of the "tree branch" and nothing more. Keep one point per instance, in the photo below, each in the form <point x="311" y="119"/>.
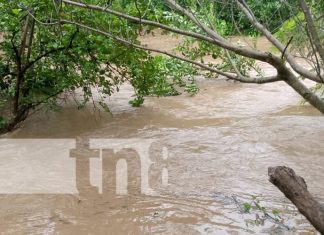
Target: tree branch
<point x="295" y="189"/>
<point x="201" y="65"/>
<point x="290" y="59"/>
<point x="312" y="28"/>
<point x="262" y="56"/>
<point x="173" y="5"/>
<point x="55" y="50"/>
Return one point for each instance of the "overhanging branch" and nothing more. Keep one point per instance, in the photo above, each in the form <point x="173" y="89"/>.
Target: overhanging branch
<point x="258" y="80"/>
<point x="290" y="59"/>
<point x="246" y="52"/>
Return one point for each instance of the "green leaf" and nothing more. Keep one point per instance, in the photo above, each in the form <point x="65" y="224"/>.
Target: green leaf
<point x="276" y="213"/>
<point x="16" y="11"/>
<point x="105" y="106"/>
<point x="246" y="207"/>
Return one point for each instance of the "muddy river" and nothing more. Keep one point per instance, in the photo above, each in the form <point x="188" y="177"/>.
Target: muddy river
<point x="219" y="143"/>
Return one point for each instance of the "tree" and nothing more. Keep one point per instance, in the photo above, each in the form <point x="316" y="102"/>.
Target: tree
<point x="207" y="34"/>
<point x="41" y="60"/>
<point x="114" y="26"/>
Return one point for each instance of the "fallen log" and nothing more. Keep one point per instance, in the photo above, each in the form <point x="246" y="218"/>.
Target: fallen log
<point x="295" y="189"/>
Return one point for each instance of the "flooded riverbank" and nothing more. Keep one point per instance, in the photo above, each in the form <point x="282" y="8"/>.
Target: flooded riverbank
<point x="220" y="144"/>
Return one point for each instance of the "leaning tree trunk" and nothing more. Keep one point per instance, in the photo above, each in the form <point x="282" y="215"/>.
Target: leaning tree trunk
<point x="295" y="189"/>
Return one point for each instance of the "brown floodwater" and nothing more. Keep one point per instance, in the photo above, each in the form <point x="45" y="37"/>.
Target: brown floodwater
<point x="220" y="144"/>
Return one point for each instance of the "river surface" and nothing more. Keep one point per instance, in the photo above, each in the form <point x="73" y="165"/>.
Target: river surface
<point x="220" y="144"/>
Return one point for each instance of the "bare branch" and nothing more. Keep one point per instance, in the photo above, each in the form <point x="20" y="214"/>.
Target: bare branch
<point x="201" y="65"/>
<point x="286" y="47"/>
<point x="233" y="64"/>
<point x="193" y="18"/>
<point x="312" y="28"/>
<point x="290" y="59"/>
<point x="262" y="56"/>
<point x="38" y="21"/>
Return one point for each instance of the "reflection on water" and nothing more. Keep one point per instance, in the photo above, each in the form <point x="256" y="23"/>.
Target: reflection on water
<point x="220" y="144"/>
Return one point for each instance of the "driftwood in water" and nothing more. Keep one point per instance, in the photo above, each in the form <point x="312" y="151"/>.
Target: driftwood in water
<point x="295" y="189"/>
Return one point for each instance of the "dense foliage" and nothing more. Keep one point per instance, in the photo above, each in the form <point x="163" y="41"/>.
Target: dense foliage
<point x="269" y="13"/>
<point x="51" y="59"/>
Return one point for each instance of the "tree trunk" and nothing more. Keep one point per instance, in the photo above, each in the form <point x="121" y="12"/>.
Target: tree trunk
<point x="295" y="189"/>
